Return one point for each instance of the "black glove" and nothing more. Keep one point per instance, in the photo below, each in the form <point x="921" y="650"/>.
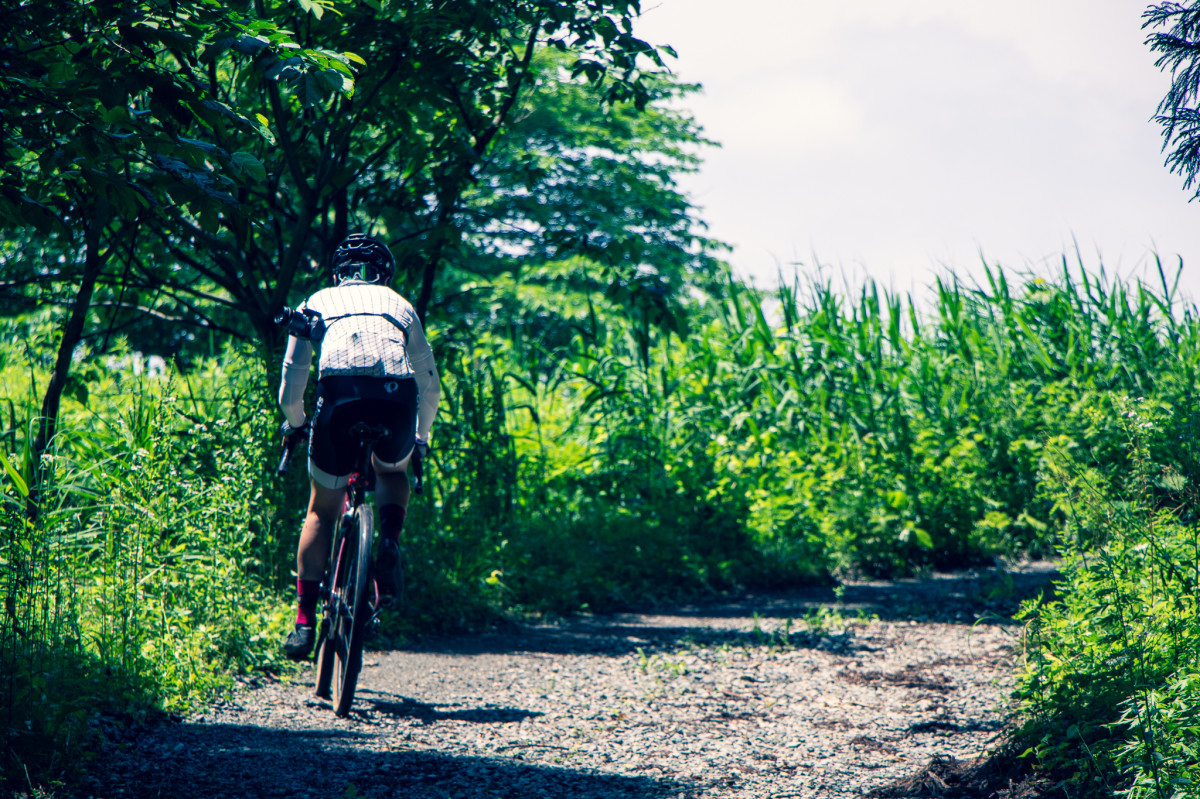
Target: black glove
<point x="422" y="448"/>
<point x="293" y="435"/>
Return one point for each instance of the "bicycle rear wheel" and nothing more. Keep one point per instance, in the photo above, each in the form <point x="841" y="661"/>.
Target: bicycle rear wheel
<point x="356" y="610"/>
<point x="333" y="608"/>
<point x="324" y="661"/>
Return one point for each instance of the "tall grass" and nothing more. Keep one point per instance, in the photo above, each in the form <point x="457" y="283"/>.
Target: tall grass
<point x="584" y="458"/>
<point x="909" y="440"/>
<point x="150" y="572"/>
<point x="457" y="533"/>
<point x="808" y="433"/>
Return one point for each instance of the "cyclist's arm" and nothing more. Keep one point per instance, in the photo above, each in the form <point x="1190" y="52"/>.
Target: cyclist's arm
<point x="296" y="363"/>
<point x="429" y="387"/>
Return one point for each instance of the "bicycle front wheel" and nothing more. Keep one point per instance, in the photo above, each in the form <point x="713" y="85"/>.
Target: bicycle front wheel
<point x="356" y="611"/>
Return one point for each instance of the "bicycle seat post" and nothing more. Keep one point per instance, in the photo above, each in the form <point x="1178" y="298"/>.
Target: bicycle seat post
<point x="366" y="435"/>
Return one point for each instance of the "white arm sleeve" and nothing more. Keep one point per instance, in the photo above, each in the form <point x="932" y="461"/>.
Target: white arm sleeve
<point x="429" y="387"/>
<point x="296" y="363"/>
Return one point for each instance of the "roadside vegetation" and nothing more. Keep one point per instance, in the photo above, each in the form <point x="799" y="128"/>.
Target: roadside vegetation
<point x="822" y="437"/>
<point x="622" y="421"/>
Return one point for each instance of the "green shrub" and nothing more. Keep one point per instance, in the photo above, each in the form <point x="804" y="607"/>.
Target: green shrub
<point x="150" y="573"/>
<point x="1111" y="663"/>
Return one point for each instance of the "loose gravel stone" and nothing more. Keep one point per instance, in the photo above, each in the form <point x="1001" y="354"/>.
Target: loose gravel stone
<point x="765" y="697"/>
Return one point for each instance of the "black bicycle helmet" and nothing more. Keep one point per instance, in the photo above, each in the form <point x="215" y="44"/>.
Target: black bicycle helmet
<point x="361" y="257"/>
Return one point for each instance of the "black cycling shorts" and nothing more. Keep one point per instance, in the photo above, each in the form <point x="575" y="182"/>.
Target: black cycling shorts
<point x="343" y="400"/>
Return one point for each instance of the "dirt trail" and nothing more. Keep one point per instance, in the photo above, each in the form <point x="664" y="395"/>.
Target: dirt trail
<point x="779" y="695"/>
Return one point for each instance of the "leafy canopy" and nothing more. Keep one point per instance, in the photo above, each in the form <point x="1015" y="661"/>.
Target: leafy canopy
<point x="218" y="153"/>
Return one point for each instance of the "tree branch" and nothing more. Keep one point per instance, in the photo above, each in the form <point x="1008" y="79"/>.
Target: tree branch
<point x="464" y="174"/>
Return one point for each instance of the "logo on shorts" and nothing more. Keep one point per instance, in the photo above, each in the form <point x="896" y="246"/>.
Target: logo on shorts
<point x="391" y="386"/>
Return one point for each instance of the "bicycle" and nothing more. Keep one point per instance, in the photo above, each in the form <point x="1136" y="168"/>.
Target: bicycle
<point x="349" y="594"/>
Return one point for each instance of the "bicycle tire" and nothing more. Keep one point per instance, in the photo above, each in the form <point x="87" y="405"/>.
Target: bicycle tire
<point x="324" y="662"/>
<point x="347" y="660"/>
<point x="335" y="586"/>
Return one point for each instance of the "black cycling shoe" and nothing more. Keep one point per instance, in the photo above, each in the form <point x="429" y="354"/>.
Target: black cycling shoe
<point x="389" y="577"/>
<point x="299" y="643"/>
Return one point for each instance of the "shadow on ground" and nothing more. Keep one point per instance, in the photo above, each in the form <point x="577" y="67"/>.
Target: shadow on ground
<point x="243" y="761"/>
<point x="782" y="618"/>
<point x="986" y="596"/>
<point x="426" y="713"/>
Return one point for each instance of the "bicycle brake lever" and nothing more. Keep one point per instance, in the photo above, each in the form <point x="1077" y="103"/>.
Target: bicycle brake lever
<point x="418" y="472"/>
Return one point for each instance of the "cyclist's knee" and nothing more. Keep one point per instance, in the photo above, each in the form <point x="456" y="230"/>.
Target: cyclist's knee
<point x="325" y="503"/>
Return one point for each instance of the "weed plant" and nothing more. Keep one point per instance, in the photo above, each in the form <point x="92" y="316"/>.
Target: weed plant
<point x="457" y="535"/>
<point x="788" y="437"/>
<point x="1108" y="689"/>
<point x="869" y="437"/>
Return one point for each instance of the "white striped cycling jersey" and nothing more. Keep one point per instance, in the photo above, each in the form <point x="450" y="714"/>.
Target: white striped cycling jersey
<point x="370" y="330"/>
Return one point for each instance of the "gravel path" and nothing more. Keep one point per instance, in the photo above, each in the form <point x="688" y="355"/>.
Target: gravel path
<point x="796" y="695"/>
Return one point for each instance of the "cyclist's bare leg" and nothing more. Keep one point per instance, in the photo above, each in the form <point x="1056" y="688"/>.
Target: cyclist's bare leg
<point x="324" y="508"/>
<point x="391" y="485"/>
<point x="324" y="505"/>
<point x="391" y="494"/>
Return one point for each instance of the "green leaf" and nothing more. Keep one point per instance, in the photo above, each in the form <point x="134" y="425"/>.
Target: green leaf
<point x="923" y="537"/>
<point x="1040" y="353"/>
<point x="209" y="220"/>
<point x="337" y="81"/>
<point x="76" y="387"/>
<point x="200" y="145"/>
<point x="312" y="7"/>
<point x="315" y="89"/>
<point x="250" y="45"/>
<point x="250" y="164"/>
<point x="264" y="128"/>
<point x="287" y="68"/>
<point x="214" y="50"/>
<point x="117" y="116"/>
<point x="22" y="486"/>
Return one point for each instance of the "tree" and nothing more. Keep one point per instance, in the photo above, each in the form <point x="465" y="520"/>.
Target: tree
<point x="578" y="207"/>
<point x="395" y="158"/>
<point x="106" y="130"/>
<point x="186" y="163"/>
<point x="394" y="152"/>
<point x="1176" y="40"/>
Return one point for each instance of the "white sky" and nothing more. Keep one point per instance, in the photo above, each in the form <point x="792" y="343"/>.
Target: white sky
<point x="897" y="138"/>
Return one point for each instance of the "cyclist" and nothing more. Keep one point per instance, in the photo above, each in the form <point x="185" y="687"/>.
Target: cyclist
<point x="374" y="366"/>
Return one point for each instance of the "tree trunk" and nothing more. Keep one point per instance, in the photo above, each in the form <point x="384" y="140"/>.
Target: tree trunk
<point x="72" y="334"/>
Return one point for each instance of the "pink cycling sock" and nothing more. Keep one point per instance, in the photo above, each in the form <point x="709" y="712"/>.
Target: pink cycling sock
<point x="309" y="592"/>
<point x="391" y="521"/>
